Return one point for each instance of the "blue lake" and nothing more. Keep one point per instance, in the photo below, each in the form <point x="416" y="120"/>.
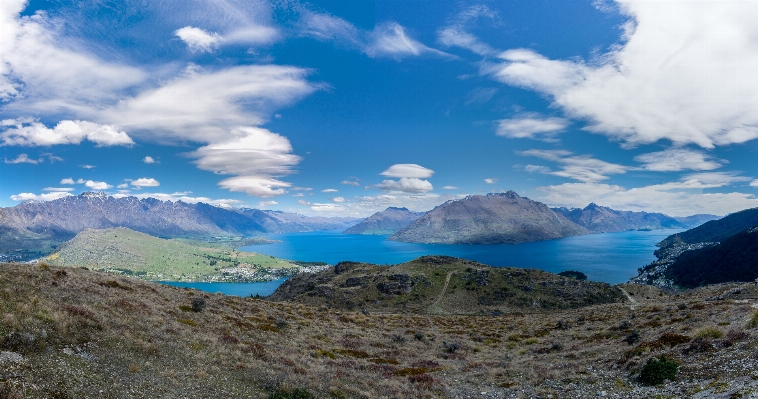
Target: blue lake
<point x="610" y="257"/>
<point x="235" y="289"/>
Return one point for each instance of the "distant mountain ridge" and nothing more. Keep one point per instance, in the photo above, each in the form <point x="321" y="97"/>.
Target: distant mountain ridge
<point x="495" y="218"/>
<point x="387" y="221"/>
<point x="601" y="219"/>
<point x="39" y="226"/>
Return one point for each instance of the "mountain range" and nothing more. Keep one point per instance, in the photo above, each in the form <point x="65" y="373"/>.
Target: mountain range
<point x="601" y="219"/>
<point x="495" y="218"/>
<point x="387" y="221"/>
<point x="37" y="227"/>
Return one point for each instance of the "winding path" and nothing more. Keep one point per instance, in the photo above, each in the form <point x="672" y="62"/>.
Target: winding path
<point x="633" y="304"/>
<point x="444" y="288"/>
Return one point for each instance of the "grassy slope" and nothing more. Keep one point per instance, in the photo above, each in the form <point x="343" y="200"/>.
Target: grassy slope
<point x="117" y="337"/>
<point x="122" y="248"/>
<point x="506" y="289"/>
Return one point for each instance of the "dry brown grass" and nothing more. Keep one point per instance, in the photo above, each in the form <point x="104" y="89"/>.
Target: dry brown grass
<point x="140" y="341"/>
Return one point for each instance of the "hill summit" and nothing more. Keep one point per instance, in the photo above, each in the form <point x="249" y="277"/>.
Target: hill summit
<point x="495" y="218"/>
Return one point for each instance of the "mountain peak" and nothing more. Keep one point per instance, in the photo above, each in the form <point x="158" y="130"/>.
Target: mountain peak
<point x="394" y="208"/>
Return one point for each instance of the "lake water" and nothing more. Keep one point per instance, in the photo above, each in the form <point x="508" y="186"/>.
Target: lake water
<point x="235" y="289"/>
<point x="610" y="257"/>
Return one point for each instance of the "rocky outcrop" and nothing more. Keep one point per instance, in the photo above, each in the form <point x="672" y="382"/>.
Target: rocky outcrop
<point x="503" y="218"/>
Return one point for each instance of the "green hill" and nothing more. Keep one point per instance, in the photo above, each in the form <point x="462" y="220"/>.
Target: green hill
<point x="126" y="251"/>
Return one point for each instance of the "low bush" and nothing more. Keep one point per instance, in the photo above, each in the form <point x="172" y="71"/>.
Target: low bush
<point x="198" y="304"/>
<point x="296" y="393"/>
<point x="710" y="332"/>
<point x="657" y="371"/>
<point x="753" y="323"/>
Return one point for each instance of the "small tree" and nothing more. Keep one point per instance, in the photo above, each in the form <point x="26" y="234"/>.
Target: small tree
<point x="656" y="371"/>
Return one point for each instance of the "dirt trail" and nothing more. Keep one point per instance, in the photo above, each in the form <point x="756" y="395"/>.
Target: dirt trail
<point x="633" y="304"/>
<point x="444" y="288"/>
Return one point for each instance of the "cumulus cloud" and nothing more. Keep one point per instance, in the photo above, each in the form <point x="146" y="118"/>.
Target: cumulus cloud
<point x="67" y="180"/>
<point x="264" y="204"/>
<point x="490" y="180"/>
<point x="145" y="182"/>
<point x="198" y="39"/>
<point x="122" y="186"/>
<point x="23" y="158"/>
<point x="410" y="170"/>
<point x="685" y="72"/>
<point x="338" y="199"/>
<point x="40" y="197"/>
<point x="677" y="159"/>
<point x="578" y="167"/>
<point x="406" y="185"/>
<point x="32" y="133"/>
<point x="329" y="190"/>
<point x="148" y="160"/>
<point x="532" y="126"/>
<point x="97" y="185"/>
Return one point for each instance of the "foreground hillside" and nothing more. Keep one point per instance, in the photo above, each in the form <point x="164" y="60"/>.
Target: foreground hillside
<point x="122" y="250"/>
<point x="442" y="285"/>
<point x="73" y="333"/>
<point x="503" y="218"/>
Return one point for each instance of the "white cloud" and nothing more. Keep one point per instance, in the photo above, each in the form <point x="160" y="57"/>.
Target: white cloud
<point x="32" y="133"/>
<point x="97" y="185"/>
<point x="679" y="198"/>
<point x="455" y="34"/>
<point x="255" y="155"/>
<point x="23" y="158"/>
<point x="304" y="202"/>
<point x="754" y="183"/>
<point x="406" y="185"/>
<point x="85" y="166"/>
<point x="80" y="181"/>
<point x="204" y="107"/>
<point x="329" y="190"/>
<point x="350" y="183"/>
<point x="387" y="39"/>
<point x="67" y="180"/>
<point x="122" y="186"/>
<point x="58" y="189"/>
<point x="40" y="197"/>
<point x="298" y="195"/>
<point x="44" y="72"/>
<point x="531" y="126"/>
<point x="408" y="170"/>
<point x="198" y="39"/>
<point x="685" y="72"/>
<point x="677" y="159"/>
<point x="148" y="160"/>
<point x="264" y="204"/>
<point x="338" y="199"/>
<point x="578" y="167"/>
<point x="145" y="182"/>
<point x="537" y="169"/>
<point x="449" y="188"/>
<point x="490" y="180"/>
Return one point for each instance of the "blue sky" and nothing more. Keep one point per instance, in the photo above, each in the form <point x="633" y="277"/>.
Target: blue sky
<point x="346" y="107"/>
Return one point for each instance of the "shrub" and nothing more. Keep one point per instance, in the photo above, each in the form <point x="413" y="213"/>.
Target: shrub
<point x="710" y="332"/>
<point x="450" y="347"/>
<point x="753" y="323"/>
<point x="632" y="338"/>
<point x="198" y="304"/>
<point x="657" y="371"/>
<point x="735" y="335"/>
<point x="296" y="393"/>
<point x="673" y="339"/>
